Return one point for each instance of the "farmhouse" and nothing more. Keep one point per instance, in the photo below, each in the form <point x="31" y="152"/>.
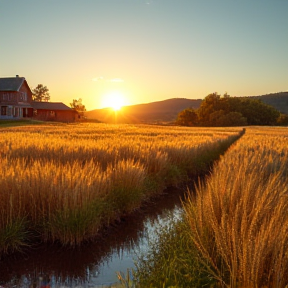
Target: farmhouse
<point x="16" y="103"/>
<point x="15" y="98"/>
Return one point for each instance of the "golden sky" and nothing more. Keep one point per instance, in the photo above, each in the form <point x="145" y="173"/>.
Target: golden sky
<point x="145" y="50"/>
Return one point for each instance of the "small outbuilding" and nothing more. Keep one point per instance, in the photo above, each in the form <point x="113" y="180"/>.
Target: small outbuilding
<point x="53" y="111"/>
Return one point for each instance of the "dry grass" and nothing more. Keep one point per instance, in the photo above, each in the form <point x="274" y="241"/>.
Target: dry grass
<point x="238" y="219"/>
<point x="65" y="182"/>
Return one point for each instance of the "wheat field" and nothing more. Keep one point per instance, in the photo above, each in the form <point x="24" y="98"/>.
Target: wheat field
<point x="63" y="183"/>
<point x="238" y="218"/>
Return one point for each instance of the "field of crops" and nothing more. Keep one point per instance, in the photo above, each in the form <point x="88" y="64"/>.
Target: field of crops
<point x="63" y="183"/>
<point x="235" y="229"/>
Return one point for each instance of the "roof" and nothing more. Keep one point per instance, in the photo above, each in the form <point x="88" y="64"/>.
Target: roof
<point x="11" y="83"/>
<point x="50" y="106"/>
<point x="24" y="105"/>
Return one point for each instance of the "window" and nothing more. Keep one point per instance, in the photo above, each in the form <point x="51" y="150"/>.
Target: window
<point x="3" y="110"/>
<point x="23" y="96"/>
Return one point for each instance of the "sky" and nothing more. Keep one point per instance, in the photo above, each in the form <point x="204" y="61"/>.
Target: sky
<point x="141" y="51"/>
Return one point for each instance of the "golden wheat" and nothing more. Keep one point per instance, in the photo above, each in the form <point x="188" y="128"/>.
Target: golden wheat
<point x="67" y="181"/>
<point x="238" y="219"/>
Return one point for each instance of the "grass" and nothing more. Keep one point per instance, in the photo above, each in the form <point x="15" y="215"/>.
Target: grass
<point x="13" y="235"/>
<point x="12" y="123"/>
<point x="171" y="261"/>
<point x="69" y="181"/>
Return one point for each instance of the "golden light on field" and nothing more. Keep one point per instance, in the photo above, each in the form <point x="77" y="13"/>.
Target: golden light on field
<point x="114" y="100"/>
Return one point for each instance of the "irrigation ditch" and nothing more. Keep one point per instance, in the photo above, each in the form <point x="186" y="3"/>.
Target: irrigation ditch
<point x="95" y="264"/>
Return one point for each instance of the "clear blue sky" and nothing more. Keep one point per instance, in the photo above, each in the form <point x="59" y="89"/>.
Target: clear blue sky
<point x="145" y="50"/>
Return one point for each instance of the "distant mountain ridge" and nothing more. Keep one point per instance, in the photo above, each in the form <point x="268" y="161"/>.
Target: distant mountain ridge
<point x="154" y="112"/>
<point x="166" y="111"/>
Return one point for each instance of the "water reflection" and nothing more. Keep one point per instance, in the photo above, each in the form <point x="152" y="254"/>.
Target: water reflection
<point x="94" y="264"/>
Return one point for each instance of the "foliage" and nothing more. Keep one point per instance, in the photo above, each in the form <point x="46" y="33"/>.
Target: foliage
<point x="13" y="235"/>
<point x="209" y="105"/>
<point x="126" y="280"/>
<point x="78" y="106"/>
<point x="220" y="119"/>
<point x="40" y="93"/>
<point x="230" y="111"/>
<point x="172" y="261"/>
<point x="282" y="120"/>
<point x="187" y="117"/>
<point x="256" y="112"/>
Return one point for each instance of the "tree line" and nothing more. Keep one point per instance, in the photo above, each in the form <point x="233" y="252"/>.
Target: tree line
<point x="223" y="111"/>
<point x="41" y="94"/>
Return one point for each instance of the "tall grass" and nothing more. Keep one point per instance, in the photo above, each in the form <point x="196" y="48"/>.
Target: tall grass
<point x="238" y="219"/>
<point x="64" y="183"/>
<point x="171" y="261"/>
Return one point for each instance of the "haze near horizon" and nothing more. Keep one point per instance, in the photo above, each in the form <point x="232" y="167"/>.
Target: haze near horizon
<point x="140" y="51"/>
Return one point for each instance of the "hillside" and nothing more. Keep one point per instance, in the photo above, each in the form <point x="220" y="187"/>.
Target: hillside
<point x="277" y="100"/>
<point x="166" y="111"/>
<point x="155" y="112"/>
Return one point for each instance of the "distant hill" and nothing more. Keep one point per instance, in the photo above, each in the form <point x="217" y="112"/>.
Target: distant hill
<point x="166" y="111"/>
<point x="277" y="100"/>
<point x="154" y="112"/>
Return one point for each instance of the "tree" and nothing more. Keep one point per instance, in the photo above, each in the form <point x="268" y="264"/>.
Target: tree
<point x="257" y="112"/>
<point x="282" y="120"/>
<point x="235" y="111"/>
<point x="232" y="119"/>
<point x="40" y="93"/>
<point x="215" y="117"/>
<point x="209" y="105"/>
<point x="78" y="106"/>
<point x="187" y="117"/>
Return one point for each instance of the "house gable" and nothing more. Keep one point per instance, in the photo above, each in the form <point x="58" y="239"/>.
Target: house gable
<point x="15" y="91"/>
<point x="26" y="89"/>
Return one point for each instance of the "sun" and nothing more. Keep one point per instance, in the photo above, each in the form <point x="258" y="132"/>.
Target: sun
<point x="114" y="100"/>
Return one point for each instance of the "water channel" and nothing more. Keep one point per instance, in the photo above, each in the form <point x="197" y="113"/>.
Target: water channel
<point x="95" y="264"/>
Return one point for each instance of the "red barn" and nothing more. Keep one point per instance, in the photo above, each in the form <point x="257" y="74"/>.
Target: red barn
<point x="53" y="111"/>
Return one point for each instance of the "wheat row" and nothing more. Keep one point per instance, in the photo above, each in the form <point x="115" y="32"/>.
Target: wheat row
<point x="239" y="219"/>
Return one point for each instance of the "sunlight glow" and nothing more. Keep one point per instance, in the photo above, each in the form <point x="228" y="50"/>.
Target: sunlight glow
<point x="114" y="100"/>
